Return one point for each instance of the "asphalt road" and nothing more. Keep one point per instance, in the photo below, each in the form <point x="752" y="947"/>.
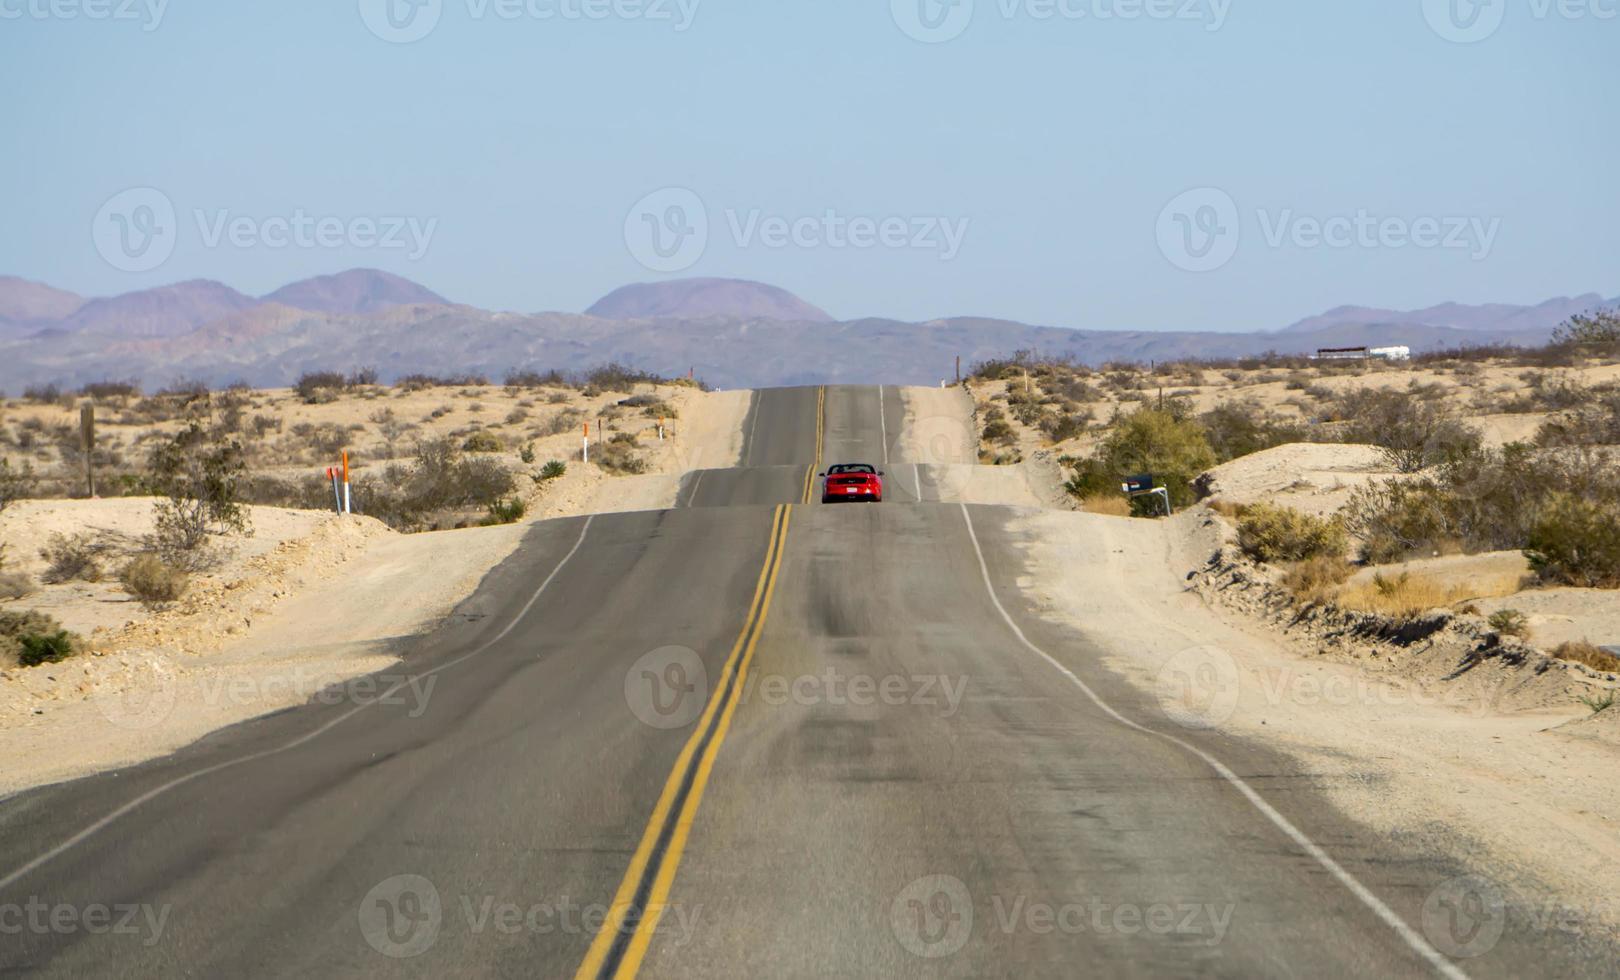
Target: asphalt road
<point x="756" y="738"/>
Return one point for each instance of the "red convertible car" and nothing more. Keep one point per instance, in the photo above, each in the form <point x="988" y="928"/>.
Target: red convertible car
<point x="852" y="481"/>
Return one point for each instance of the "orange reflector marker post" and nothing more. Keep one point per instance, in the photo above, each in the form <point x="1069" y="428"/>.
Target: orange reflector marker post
<point x="346" y="509"/>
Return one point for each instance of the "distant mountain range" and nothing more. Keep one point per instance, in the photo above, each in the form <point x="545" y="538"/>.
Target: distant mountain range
<point x="732" y="333"/>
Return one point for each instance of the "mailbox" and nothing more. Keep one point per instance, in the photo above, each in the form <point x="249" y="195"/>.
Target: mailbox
<point x="1139" y="484"/>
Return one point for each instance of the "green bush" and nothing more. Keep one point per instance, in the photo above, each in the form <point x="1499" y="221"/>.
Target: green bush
<point x="32" y="638"/>
<point x="1270" y="533"/>
<point x="552" y="470"/>
<point x="1239" y="428"/>
<point x="505" y="512"/>
<point x="1576" y="541"/>
<point x="1163" y="442"/>
<point x="1509" y="622"/>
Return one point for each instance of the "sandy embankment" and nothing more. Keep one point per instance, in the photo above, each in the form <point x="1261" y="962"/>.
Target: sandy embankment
<point x="271" y="628"/>
<point x="1540" y="808"/>
<point x="940" y="437"/>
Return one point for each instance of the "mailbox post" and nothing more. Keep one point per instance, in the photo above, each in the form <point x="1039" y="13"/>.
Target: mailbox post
<point x="1143" y="485"/>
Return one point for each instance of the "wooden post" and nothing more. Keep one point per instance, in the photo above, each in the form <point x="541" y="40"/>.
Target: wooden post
<point x="959" y="369"/>
<point x="87" y="442"/>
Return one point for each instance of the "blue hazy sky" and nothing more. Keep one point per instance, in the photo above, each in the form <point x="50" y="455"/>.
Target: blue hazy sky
<point x="1058" y="141"/>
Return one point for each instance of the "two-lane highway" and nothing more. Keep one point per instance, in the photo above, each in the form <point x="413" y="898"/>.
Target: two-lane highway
<point x="746" y="737"/>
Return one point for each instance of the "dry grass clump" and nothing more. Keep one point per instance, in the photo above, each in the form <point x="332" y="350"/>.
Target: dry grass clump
<point x="153" y="581"/>
<point x="1317" y="580"/>
<point x="1110" y="504"/>
<point x="1403" y="596"/>
<point x="1584" y="652"/>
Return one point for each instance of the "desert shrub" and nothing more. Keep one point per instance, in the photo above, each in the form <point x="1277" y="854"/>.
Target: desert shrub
<point x="1488" y="501"/>
<point x="15" y="585"/>
<point x="1062" y="426"/>
<point x="567" y="420"/>
<point x="1239" y="428"/>
<point x="33" y="638"/>
<point x="440" y="480"/>
<point x="504" y="512"/>
<point x="526" y="454"/>
<point x="1595" y="422"/>
<point x="76" y="557"/>
<point x="110" y="390"/>
<point x="618" y="455"/>
<point x="315" y="387"/>
<point x="1597" y="333"/>
<point x="617" y="377"/>
<point x="1412" y="431"/>
<point x="534" y="379"/>
<point x="16" y="483"/>
<point x="1584" y="652"/>
<point x="483" y="442"/>
<point x="1270" y="533"/>
<point x="1576" y="541"/>
<point x="198" y="476"/>
<point x="553" y="469"/>
<point x="1509" y="622"/>
<point x="1163" y="442"/>
<point x="153" y="581"/>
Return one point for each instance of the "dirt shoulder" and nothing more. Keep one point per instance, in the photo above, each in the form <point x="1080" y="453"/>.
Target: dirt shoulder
<point x="1532" y="804"/>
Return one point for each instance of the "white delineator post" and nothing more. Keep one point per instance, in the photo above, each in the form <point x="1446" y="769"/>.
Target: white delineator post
<point x="585" y="444"/>
<point x="346" y="509"/>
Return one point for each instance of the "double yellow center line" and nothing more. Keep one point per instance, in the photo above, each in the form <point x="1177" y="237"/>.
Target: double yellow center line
<point x="821" y="428"/>
<point x="643" y="895"/>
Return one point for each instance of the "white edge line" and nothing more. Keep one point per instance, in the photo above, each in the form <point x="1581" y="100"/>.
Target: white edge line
<point x="753" y="423"/>
<point x="153" y="794"/>
<point x="1419" y="945"/>
<point x="883" y="426"/>
<point x="696" y="482"/>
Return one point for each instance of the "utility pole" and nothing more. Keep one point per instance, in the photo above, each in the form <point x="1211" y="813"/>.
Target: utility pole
<point x="87" y="442"/>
